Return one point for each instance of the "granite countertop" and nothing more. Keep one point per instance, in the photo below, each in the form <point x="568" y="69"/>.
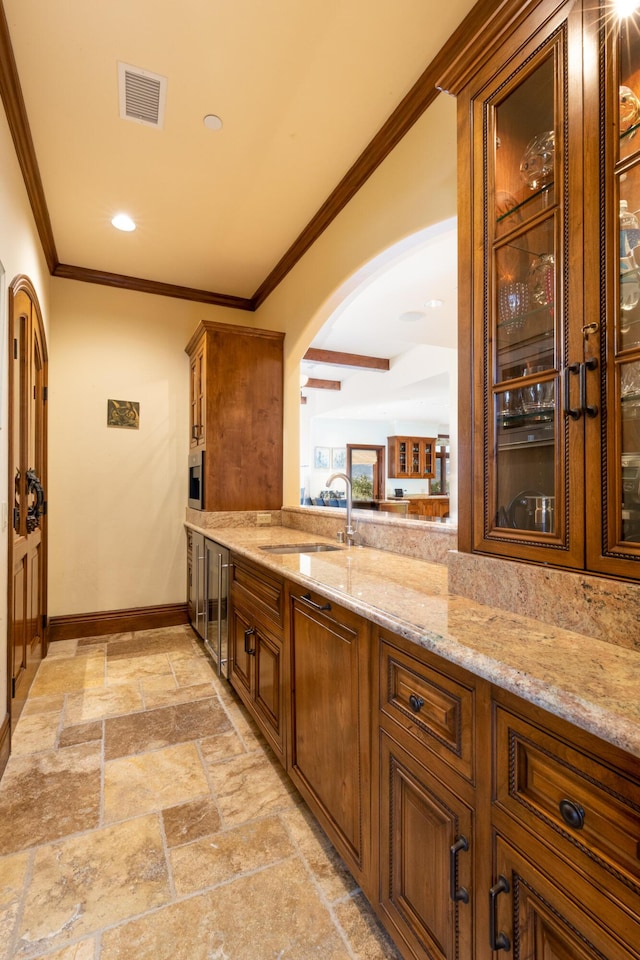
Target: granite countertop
<point x="591" y="683"/>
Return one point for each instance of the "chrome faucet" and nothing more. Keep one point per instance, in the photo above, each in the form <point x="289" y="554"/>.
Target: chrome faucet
<point x="350" y="532"/>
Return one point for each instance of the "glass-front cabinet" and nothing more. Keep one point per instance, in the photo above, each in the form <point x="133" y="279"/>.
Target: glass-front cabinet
<point x="550" y="291"/>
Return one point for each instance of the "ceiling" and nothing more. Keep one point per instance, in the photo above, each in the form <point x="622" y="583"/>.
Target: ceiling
<point x="312" y="96"/>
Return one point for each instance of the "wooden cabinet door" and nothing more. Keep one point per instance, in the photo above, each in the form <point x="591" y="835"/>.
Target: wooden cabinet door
<point x="267" y="684"/>
<point x="329" y="756"/>
<point x="547" y="914"/>
<point x="426" y="858"/>
<point x="241" y="651"/>
<point x="197" y="377"/>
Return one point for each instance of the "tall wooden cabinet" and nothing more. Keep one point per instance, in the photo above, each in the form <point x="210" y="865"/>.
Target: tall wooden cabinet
<point x="236" y="407"/>
<point x="549" y="301"/>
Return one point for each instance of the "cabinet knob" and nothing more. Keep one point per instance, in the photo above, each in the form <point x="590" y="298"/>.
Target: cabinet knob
<point x="572" y="814"/>
<point x="416" y="703"/>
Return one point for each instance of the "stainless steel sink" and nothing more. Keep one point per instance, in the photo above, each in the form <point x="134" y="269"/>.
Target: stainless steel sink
<point x="301" y="548"/>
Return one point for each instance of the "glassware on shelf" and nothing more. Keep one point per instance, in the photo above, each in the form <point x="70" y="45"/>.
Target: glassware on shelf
<point x="537" y="164"/>
<point x="538" y="398"/>
<point x="629" y="275"/>
<point x="542" y="280"/>
<point x="629" y="112"/>
<point x="513" y="305"/>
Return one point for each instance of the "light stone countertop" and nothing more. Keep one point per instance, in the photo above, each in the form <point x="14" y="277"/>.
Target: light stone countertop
<point x="591" y="683"/>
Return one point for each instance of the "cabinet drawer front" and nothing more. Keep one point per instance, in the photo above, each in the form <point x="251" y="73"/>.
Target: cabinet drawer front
<point x="568" y="797"/>
<point x="257" y="588"/>
<point x="435" y="709"/>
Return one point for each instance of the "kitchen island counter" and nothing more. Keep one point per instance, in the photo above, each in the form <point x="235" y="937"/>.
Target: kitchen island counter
<point x="589" y="682"/>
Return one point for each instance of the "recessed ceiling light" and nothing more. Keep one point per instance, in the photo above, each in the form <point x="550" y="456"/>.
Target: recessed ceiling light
<point x="123" y="221"/>
<point x="434" y="304"/>
<point x="212" y="122"/>
<point x="411" y="316"/>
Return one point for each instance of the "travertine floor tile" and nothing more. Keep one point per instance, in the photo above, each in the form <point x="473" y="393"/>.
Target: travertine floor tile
<point x="190" y="821"/>
<point x="64" y="674"/>
<point x="49" y="795"/>
<point x="222" y="746"/>
<point x="79" y="886"/>
<point x="157" y="695"/>
<point x="13" y="873"/>
<point x="103" y="702"/>
<point x="51" y="704"/>
<point x="270" y="914"/>
<point x="164" y="726"/>
<point x="367" y="938"/>
<point x="34" y="733"/>
<point x="81" y="733"/>
<point x="125" y="670"/>
<point x="326" y="866"/>
<point x="84" y="950"/>
<point x="188" y="671"/>
<point x="216" y="859"/>
<point x="250" y="786"/>
<point x="153" y="781"/>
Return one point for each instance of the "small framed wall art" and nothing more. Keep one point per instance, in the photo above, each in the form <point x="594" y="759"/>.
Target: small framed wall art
<point x="321" y="458"/>
<point x="123" y="413"/>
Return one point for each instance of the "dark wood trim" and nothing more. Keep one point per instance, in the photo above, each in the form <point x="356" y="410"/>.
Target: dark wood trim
<point x="80" y="625"/>
<point x="69" y="272"/>
<point x="346" y="359"/>
<point x="5" y="742"/>
<point x="443" y="72"/>
<point x="11" y="94"/>
<point x="485" y="27"/>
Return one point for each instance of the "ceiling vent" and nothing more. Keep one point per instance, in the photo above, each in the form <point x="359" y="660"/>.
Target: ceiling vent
<point x="142" y="95"/>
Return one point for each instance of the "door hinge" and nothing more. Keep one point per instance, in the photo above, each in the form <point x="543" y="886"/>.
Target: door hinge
<point x="44" y="507"/>
<point x="13" y="687"/>
<point x="44" y="621"/>
<point x="15" y="349"/>
<point x="45" y="394"/>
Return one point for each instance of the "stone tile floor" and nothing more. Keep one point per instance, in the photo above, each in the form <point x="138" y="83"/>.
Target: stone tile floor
<point x="143" y="816"/>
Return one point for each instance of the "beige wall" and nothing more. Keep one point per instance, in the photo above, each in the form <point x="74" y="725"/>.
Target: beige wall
<point x="20" y="253"/>
<point x="414" y="188"/>
<point x="118" y="496"/>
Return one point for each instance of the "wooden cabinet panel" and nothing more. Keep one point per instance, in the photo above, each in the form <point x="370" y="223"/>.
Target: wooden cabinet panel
<point x="330" y="754"/>
<point x="426" y="858"/>
<point x="236" y="376"/>
<point x="540" y="919"/>
<point x="433" y="707"/>
<point x="585" y="808"/>
<point x="256" y="650"/>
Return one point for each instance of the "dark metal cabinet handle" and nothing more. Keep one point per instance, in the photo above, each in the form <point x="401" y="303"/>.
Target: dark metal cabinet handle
<point x="457" y="893"/>
<point x="498" y="941"/>
<point x="574" y="412"/>
<point x="247" y="636"/>
<point x="195" y="432"/>
<point x="318" y="606"/>
<point x="572" y="814"/>
<point x="416" y="703"/>
<point x="589" y="410"/>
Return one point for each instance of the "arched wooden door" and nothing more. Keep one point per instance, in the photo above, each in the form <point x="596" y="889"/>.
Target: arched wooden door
<point x="27" y="601"/>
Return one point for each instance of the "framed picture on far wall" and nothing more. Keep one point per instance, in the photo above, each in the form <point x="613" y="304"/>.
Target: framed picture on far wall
<point x="321" y="458"/>
<point x="338" y="458"/>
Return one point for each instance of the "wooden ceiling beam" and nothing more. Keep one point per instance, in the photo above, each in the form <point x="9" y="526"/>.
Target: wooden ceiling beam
<point x="346" y="359"/>
<point x="313" y="384"/>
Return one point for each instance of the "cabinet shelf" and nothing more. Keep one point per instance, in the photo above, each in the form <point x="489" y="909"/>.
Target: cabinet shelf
<point x="528" y="202"/>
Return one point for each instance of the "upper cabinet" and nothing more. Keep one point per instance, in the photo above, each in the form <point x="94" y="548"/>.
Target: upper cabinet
<point x="412" y="457"/>
<point x="549" y="196"/>
<point x="236" y="399"/>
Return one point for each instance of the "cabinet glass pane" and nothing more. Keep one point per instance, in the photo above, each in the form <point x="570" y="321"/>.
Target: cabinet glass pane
<point x="525" y="457"/>
<point x="629" y="88"/>
<point x="629" y="253"/>
<point x="525" y="301"/>
<point x="525" y="149"/>
<point x="630" y="406"/>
